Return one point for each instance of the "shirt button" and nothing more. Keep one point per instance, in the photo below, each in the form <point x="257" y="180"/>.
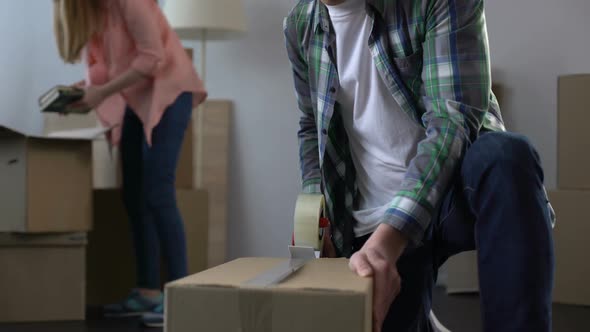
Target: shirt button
<point x="332" y="89"/>
<point x="324" y="132"/>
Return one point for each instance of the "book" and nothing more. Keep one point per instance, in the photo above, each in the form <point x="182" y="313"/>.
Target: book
<point x="59" y="97"/>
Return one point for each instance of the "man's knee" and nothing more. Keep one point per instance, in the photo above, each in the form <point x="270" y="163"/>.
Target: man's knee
<point x="509" y="151"/>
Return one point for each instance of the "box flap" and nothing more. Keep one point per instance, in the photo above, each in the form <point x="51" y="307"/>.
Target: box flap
<point x="85" y="134"/>
<point x="317" y="274"/>
<point x="231" y="274"/>
<point x="327" y="275"/>
<point x="78" y="134"/>
<point x="22" y="239"/>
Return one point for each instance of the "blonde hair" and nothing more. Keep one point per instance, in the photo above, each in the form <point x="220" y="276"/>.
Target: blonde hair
<point x="75" y="23"/>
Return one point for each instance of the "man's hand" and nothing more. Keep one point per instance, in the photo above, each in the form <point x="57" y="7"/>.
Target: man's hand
<point x="377" y="259"/>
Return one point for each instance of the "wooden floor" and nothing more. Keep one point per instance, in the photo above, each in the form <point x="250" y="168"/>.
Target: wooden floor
<point x="458" y="313"/>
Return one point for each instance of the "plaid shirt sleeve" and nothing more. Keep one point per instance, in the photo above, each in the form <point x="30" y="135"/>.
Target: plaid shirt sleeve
<point x="308" y="135"/>
<point x="457" y="83"/>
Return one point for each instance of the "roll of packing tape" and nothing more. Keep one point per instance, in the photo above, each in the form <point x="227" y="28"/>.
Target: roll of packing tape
<point x="309" y="209"/>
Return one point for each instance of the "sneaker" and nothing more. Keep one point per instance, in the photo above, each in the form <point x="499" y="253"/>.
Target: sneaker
<point x="134" y="305"/>
<point x="155" y="318"/>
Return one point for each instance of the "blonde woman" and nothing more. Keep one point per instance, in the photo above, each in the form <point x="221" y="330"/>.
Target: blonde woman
<point x="139" y="76"/>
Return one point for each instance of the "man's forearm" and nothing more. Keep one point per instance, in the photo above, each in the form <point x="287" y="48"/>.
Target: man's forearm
<point x="388" y="240"/>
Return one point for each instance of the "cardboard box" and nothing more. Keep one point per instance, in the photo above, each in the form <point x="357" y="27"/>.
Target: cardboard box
<point x="573" y="143"/>
<point x="217" y="299"/>
<point x="42" y="278"/>
<point x="46" y="181"/>
<point x="572" y="271"/>
<point x="111" y="262"/>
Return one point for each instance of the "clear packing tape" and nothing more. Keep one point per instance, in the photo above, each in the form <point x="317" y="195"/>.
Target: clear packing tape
<point x="309" y="212"/>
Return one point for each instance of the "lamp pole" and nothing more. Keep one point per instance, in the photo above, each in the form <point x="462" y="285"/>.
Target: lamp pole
<point x="200" y="110"/>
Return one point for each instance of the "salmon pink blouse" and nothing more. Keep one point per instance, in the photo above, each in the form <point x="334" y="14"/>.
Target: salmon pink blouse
<point x="137" y="35"/>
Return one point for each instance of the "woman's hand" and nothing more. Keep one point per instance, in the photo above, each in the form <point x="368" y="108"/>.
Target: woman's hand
<point x="93" y="96"/>
<point x="80" y="84"/>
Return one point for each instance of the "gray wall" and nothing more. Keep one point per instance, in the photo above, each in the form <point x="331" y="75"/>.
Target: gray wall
<point x="255" y="73"/>
<point x="533" y="41"/>
<point x="29" y="62"/>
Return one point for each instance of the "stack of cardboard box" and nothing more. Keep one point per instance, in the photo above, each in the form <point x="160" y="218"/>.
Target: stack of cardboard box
<point x="110" y="262"/>
<point x="46" y="204"/>
<point x="572" y="198"/>
<point x="203" y="206"/>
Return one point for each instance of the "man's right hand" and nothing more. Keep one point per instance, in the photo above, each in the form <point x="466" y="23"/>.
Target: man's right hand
<point x="328" y="250"/>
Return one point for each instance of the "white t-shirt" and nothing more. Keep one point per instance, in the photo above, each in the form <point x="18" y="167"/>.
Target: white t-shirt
<point x="383" y="139"/>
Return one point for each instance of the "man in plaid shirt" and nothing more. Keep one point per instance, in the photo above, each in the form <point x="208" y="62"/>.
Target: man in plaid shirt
<point x="401" y="133"/>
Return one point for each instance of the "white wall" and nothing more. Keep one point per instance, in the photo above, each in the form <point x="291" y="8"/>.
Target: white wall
<point x="533" y="41"/>
<point x="254" y="72"/>
<point x="29" y="62"/>
<point x="15" y="59"/>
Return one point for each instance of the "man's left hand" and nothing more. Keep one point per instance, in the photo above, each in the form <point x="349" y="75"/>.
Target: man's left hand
<point x="377" y="259"/>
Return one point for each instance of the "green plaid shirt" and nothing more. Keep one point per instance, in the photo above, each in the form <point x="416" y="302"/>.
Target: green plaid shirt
<point x="433" y="56"/>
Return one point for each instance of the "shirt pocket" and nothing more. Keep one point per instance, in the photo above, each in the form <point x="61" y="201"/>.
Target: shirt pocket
<point x="410" y="70"/>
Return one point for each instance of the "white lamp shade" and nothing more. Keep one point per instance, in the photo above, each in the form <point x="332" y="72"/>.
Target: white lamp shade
<point x="220" y="19"/>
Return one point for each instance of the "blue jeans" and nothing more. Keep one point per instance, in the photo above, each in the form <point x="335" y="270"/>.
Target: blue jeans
<point x="149" y="192"/>
<point x="496" y="205"/>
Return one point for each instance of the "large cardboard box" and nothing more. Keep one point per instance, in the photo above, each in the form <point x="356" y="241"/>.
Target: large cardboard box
<point x="42" y="277"/>
<point x="573" y="141"/>
<point x="572" y="271"/>
<point x="46" y="181"/>
<point x="218" y="299"/>
<point x="111" y="262"/>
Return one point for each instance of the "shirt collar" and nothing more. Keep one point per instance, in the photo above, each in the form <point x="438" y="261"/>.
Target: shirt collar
<point x="322" y="17"/>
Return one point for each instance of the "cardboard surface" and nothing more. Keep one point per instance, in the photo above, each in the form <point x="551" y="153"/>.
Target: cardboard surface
<point x="111" y="262"/>
<point x="573" y="159"/>
<point x="217" y="300"/>
<point x="55" y="122"/>
<point x="215" y="172"/>
<point x="48" y="183"/>
<point x="572" y="271"/>
<point x="59" y="195"/>
<point x="43" y="278"/>
<point x="105" y="165"/>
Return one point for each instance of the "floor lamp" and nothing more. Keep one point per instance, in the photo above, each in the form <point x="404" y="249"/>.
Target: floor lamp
<point x="205" y="20"/>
